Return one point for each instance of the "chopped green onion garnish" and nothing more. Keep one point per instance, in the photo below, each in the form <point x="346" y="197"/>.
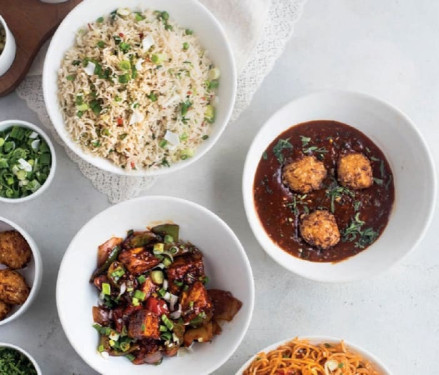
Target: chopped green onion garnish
<point x="125" y="65"/>
<point x="158" y="58"/>
<point x="167" y="322"/>
<point x="152" y="97"/>
<point x="167" y="262"/>
<point x="158" y="248"/>
<point x="106" y="289"/>
<point x="209" y="114"/>
<point x="187" y="153"/>
<point x="125" y="78"/>
<point x="157" y="277"/>
<point x="82" y="107"/>
<point x="138" y="16"/>
<point x="124" y="47"/>
<point x="139" y="295"/>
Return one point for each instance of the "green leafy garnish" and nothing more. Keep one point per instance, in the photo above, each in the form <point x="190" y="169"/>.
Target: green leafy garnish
<point x="96" y="106"/>
<point x="378" y="181"/>
<point x="305" y="140"/>
<point x="315" y="149"/>
<point x="185" y="107"/>
<point x="124" y="47"/>
<point x="355" y="232"/>
<point x="124" y="78"/>
<point x="12" y="362"/>
<point x="138" y="16"/>
<point x="336" y="192"/>
<point x="282" y="144"/>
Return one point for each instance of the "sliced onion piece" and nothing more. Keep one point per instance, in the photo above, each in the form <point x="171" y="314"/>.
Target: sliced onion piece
<point x="90" y="68"/>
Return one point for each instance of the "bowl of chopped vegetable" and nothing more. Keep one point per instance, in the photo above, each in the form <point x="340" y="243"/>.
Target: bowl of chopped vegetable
<point x="27" y="161"/>
<point x="168" y="283"/>
<point x="15" y="360"/>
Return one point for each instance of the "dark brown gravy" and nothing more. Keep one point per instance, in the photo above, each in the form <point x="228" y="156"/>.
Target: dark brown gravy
<point x="279" y="209"/>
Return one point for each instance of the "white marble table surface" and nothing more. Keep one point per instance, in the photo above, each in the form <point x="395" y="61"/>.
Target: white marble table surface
<point x="385" y="48"/>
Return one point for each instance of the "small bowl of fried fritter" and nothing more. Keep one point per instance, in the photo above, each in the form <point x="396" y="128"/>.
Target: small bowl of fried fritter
<point x="20" y="271"/>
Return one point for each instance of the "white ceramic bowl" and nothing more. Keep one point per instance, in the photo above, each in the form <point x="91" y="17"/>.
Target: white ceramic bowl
<point x="413" y="171"/>
<point x="226" y="265"/>
<point x="32" y="359"/>
<point x="188" y="13"/>
<point x="24" y="124"/>
<point x="379" y="365"/>
<point x="33" y="272"/>
<point x="8" y="55"/>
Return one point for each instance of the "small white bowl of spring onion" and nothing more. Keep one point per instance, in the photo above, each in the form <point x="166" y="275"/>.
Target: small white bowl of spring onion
<point x="27" y="161"/>
<point x="16" y="360"/>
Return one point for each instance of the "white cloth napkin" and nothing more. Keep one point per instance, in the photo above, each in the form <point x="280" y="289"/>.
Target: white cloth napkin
<point x="257" y="30"/>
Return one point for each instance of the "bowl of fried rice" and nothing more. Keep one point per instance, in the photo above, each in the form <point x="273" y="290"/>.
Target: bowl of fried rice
<point x="139" y="87"/>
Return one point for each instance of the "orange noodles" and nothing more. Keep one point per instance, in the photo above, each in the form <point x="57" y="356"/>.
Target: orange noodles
<point x="300" y="357"/>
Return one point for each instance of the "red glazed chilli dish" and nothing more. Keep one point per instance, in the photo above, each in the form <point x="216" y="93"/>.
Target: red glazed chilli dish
<point x="153" y="298"/>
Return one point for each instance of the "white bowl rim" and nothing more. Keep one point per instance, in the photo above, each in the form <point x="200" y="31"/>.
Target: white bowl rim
<point x="7" y="55"/>
<point x="192" y="205"/>
<point x="319" y="338"/>
<point x="144" y="173"/>
<point x="45" y="185"/>
<point x="38" y="271"/>
<point x="249" y="203"/>
<point x="22" y="351"/>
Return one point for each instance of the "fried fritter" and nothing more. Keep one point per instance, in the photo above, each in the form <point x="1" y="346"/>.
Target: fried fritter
<point x="13" y="287"/>
<point x="355" y="171"/>
<point x="304" y="175"/>
<point x="320" y="229"/>
<point x="15" y="252"/>
<point x="4" y="310"/>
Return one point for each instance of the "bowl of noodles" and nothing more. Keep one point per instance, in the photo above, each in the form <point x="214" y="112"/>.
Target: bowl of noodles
<point x="314" y="355"/>
<point x="139" y="87"/>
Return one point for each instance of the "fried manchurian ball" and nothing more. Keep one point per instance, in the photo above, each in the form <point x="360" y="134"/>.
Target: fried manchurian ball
<point x="15" y="252"/>
<point x="13" y="287"/>
<point x="304" y="175"/>
<point x="320" y="229"/>
<point x="4" y="310"/>
<point x="355" y="171"/>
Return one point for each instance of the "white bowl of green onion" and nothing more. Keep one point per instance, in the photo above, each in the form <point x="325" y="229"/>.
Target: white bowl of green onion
<point x="27" y="161"/>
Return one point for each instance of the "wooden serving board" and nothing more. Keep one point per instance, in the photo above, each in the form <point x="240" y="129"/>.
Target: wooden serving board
<point x="32" y="22"/>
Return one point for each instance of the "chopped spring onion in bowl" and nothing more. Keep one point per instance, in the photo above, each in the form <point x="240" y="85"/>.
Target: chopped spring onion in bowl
<point x="27" y="161"/>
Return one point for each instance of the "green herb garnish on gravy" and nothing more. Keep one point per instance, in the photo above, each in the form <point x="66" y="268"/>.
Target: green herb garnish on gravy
<point x="281" y="145"/>
<point x="12" y="362"/>
<point x="355" y="232"/>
